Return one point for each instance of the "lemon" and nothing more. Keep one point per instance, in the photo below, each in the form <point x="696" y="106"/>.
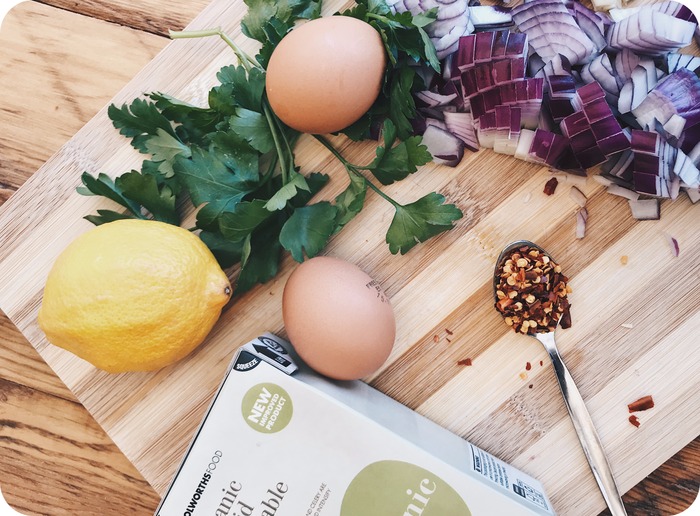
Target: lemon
<point x="133" y="295"/>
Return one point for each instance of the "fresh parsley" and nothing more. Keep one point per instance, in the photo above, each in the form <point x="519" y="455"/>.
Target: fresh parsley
<point x="233" y="160"/>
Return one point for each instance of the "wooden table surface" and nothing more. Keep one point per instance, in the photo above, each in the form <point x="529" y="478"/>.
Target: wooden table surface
<point x="59" y="60"/>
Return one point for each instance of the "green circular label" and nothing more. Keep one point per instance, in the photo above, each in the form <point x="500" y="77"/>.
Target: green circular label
<point x="396" y="487"/>
<point x="267" y="408"/>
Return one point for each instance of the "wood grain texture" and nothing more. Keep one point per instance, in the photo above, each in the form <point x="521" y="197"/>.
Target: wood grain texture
<point x="154" y="16"/>
<point x="395" y="282"/>
<point x="55" y="459"/>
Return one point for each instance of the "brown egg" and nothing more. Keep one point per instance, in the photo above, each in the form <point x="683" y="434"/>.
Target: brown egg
<point x="325" y="74"/>
<point x="338" y="319"/>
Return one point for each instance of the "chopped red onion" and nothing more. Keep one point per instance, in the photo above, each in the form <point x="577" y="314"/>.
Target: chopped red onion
<point x="673" y="244"/>
<point x="446" y="148"/>
<point x="581" y="220"/>
<point x="577" y="196"/>
<point x="620" y="191"/>
<point x="552" y="30"/>
<point x="462" y="126"/>
<point x="645" y="209"/>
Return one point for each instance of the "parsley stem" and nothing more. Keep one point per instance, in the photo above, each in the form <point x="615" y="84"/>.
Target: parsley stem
<point x="354" y="169"/>
<point x="276" y="138"/>
<point x="244" y="58"/>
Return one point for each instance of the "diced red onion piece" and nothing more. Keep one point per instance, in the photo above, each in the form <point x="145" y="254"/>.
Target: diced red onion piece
<point x="483" y="47"/>
<point x="614" y="144"/>
<point x="486" y="17"/>
<point x="620" y="191"/>
<point x="446" y="148"/>
<point x="645" y="142"/>
<point x="582" y="141"/>
<point x="673" y="244"/>
<point x="577" y="196"/>
<point x="541" y="144"/>
<point x="590" y="92"/>
<point x="597" y="110"/>
<point x="646" y="164"/>
<point x="465" y="51"/>
<point x="517" y="45"/>
<point x="432" y="99"/>
<point x="560" y="108"/>
<point x="581" y="220"/>
<point x="645" y="209"/>
<point x="693" y="194"/>
<point x="462" y="126"/>
<point x="524" y="143"/>
<point x="591" y="157"/>
<point x="574" y="124"/>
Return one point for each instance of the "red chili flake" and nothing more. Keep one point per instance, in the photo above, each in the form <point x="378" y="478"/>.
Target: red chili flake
<point x="529" y="386"/>
<point x="449" y="332"/>
<point x="644" y="403"/>
<point x="436" y="338"/>
<point x="550" y="186"/>
<point x="528" y="366"/>
<point x="634" y="420"/>
<point x="465" y="362"/>
<point x="448" y="340"/>
<point x="541" y="363"/>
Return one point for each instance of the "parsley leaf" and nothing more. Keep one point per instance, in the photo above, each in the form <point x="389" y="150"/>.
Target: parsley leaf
<point x="254" y="128"/>
<point x="245" y="87"/>
<point x="237" y="154"/>
<point x="163" y="147"/>
<point x="260" y="258"/>
<point x="212" y="184"/>
<point x="420" y="220"/>
<point x="105" y="216"/>
<point x="139" y="121"/>
<point x="262" y="12"/>
<point x="237" y="224"/>
<point x="402" y="107"/>
<point x="227" y="253"/>
<point x="144" y="189"/>
<point x="104" y="185"/>
<point x="350" y="201"/>
<point x="308" y="229"/>
<point x="135" y="192"/>
<point x="395" y="163"/>
<point x="287" y="192"/>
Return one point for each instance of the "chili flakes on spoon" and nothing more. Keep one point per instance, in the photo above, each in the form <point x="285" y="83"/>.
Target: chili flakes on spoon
<point x="531" y="292"/>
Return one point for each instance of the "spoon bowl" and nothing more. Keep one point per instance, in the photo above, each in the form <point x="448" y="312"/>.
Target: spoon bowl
<point x="576" y="406"/>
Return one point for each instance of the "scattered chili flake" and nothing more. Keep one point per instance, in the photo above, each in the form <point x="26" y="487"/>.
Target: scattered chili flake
<point x="436" y="338"/>
<point x="541" y="363"/>
<point x="449" y="332"/>
<point x="634" y="420"/>
<point x="448" y="340"/>
<point x="641" y="404"/>
<point x="529" y="386"/>
<point x="624" y="259"/>
<point x="550" y="186"/>
<point x="528" y="366"/>
<point x="465" y="362"/>
<point x="531" y="292"/>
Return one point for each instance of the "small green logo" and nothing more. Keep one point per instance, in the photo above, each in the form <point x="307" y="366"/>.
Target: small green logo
<point x="267" y="408"/>
<point x="403" y="489"/>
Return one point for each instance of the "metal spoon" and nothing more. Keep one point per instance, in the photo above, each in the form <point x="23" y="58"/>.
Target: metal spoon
<point x="587" y="435"/>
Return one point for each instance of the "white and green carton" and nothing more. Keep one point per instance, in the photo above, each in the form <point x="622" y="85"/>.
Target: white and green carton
<point x="280" y="440"/>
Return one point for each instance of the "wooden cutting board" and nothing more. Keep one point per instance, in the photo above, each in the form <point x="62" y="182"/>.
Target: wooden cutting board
<point x="441" y="292"/>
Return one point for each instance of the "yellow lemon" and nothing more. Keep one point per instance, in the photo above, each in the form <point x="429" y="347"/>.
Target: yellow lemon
<point x="133" y="295"/>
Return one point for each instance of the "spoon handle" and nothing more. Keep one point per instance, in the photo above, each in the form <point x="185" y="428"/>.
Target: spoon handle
<point x="587" y="435"/>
